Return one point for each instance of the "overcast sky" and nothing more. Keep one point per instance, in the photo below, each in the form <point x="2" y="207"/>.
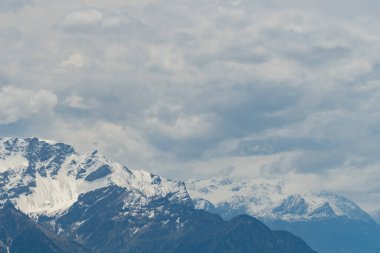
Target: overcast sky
<point x="190" y="89"/>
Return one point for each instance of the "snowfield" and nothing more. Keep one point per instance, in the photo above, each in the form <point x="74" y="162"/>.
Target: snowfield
<point x="52" y="181"/>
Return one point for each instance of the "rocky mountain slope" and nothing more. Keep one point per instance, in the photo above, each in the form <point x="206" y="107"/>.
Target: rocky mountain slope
<point x="105" y="207"/>
<point x="329" y="222"/>
<point x="18" y="233"/>
<point x="44" y="177"/>
<point x="268" y="200"/>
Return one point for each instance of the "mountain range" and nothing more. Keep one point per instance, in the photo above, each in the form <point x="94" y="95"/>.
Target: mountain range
<point x="53" y="199"/>
<point x="330" y="223"/>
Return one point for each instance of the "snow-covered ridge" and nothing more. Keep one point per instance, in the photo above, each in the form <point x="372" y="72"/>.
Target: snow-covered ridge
<point x="46" y="177"/>
<point x="376" y="215"/>
<point x="268" y="199"/>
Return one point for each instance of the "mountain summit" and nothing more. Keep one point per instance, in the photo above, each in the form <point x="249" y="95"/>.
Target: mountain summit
<point x="329" y="222"/>
<point x="45" y="177"/>
<point x="102" y="206"/>
<point x="268" y="200"/>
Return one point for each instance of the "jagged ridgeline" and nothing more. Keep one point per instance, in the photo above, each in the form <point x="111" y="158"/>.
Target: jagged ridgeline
<point x="54" y="199"/>
<point x="328" y="222"/>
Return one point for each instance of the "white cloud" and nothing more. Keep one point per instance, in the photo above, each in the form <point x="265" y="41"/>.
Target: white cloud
<point x="166" y="58"/>
<point x="78" y="102"/>
<point x="181" y="127"/>
<point x="82" y="18"/>
<point x="75" y="60"/>
<point x="171" y="121"/>
<point x="16" y="104"/>
<point x="192" y="82"/>
<point x="89" y="20"/>
<point x="120" y="143"/>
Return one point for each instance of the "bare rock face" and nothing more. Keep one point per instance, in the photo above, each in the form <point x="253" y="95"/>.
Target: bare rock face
<point x="76" y="202"/>
<point x="328" y="222"/>
<point x="19" y="233"/>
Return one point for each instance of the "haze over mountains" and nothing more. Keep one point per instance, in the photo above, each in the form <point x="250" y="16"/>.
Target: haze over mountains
<point x="71" y="202"/>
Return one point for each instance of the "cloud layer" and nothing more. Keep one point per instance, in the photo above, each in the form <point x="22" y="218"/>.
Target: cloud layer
<point x="17" y="104"/>
<point x="190" y="88"/>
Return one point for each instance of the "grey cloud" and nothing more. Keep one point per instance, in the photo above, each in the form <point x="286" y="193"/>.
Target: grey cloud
<point x="78" y="102"/>
<point x="18" y="104"/>
<point x="13" y="5"/>
<point x="200" y="81"/>
<point x="311" y="161"/>
<point x="82" y="19"/>
<point x="92" y="21"/>
<point x="269" y="146"/>
<point x="320" y="55"/>
<point x="256" y="107"/>
<point x="11" y="34"/>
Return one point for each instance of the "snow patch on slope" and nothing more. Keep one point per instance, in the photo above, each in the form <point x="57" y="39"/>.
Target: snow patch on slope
<point x="269" y="199"/>
<point x="14" y="162"/>
<point x="46" y="177"/>
<point x="52" y="195"/>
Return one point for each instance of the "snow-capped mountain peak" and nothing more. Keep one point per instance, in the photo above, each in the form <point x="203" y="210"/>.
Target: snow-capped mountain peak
<point x="269" y="200"/>
<point x="46" y="177"/>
